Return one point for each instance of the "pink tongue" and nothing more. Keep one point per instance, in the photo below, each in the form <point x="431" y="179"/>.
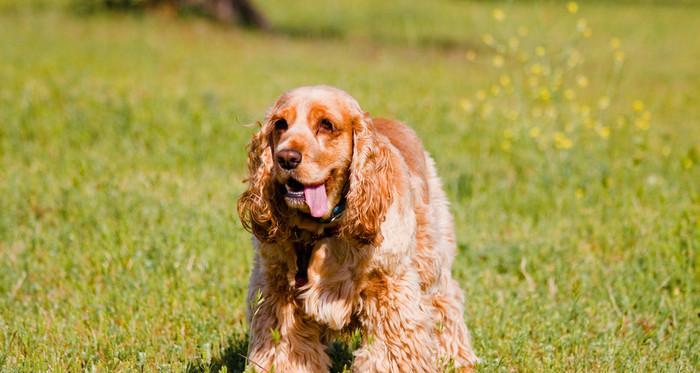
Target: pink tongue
<point x="317" y="200"/>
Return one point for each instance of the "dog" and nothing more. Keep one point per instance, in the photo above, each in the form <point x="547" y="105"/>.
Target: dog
<point x="352" y="231"/>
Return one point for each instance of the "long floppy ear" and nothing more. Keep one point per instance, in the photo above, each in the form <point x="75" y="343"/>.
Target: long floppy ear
<point x="256" y="206"/>
<point x="370" y="193"/>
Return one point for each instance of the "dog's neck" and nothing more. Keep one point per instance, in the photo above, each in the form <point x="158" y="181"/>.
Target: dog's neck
<point x="335" y="213"/>
<point x="306" y="233"/>
<point x="304" y="241"/>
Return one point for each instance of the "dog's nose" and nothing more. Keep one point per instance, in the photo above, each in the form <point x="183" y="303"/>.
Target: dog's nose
<point x="289" y="159"/>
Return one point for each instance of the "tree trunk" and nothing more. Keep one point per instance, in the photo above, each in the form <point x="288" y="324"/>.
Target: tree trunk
<point x="227" y="10"/>
<point x="249" y="15"/>
<point x="222" y="10"/>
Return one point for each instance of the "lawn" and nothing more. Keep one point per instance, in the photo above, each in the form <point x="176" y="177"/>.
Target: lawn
<point x="568" y="140"/>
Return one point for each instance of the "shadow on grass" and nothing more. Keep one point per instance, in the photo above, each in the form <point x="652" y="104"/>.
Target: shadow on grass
<point x="233" y="357"/>
<point x="292" y="31"/>
<point x="302" y="32"/>
<point x="332" y="33"/>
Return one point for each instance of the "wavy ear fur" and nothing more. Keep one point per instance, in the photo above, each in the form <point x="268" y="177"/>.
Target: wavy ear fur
<point x="370" y="193"/>
<point x="256" y="206"/>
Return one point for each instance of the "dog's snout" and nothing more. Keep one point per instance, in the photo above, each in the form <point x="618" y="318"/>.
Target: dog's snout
<point x="288" y="159"/>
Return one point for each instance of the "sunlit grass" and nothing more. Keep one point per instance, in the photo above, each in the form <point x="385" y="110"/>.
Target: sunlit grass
<point x="569" y="150"/>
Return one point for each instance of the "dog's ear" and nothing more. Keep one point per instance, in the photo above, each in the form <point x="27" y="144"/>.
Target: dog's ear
<point x="256" y="206"/>
<point x="370" y="193"/>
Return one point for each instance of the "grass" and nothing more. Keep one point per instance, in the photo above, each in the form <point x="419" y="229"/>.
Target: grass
<point x="122" y="155"/>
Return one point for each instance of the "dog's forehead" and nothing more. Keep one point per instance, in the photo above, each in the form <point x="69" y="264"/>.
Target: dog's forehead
<point x="305" y="99"/>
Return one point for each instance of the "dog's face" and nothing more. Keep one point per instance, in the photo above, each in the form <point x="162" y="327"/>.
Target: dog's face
<point x="316" y="148"/>
<point x="311" y="141"/>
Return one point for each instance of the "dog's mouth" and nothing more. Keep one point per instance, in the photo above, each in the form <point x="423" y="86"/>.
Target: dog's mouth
<point x="312" y="196"/>
<point x="295" y="189"/>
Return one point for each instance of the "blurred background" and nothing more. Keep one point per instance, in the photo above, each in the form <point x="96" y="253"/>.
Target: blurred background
<point x="567" y="135"/>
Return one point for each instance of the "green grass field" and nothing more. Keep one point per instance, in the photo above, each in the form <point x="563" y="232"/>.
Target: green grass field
<point x="570" y="150"/>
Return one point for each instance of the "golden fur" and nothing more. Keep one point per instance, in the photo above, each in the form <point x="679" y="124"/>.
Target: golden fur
<point x="383" y="266"/>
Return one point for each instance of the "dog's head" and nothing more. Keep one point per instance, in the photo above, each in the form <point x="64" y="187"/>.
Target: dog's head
<point x="317" y="153"/>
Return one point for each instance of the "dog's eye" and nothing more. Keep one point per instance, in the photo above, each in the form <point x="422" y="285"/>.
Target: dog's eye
<point x="326" y="125"/>
<point x="281" y="124"/>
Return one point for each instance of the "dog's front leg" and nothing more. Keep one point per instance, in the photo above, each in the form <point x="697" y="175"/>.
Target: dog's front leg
<point x="397" y="332"/>
<point x="283" y="340"/>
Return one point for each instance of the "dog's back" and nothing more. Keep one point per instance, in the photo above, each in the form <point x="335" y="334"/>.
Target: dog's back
<point x="435" y="241"/>
<point x="407" y="143"/>
<point x="436" y="235"/>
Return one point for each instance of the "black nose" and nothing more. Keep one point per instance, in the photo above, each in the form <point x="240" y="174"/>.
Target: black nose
<point x="288" y="159"/>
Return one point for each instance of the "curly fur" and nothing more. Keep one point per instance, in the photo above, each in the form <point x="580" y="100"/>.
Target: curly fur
<point x="383" y="268"/>
<point x="370" y="194"/>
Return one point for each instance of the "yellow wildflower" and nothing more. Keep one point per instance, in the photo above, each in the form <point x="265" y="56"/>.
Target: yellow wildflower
<point x="495" y="90"/>
<point x="619" y="56"/>
<point x="498" y="61"/>
<point x="562" y="142"/>
<point x="581" y="25"/>
<point x="604" y="103"/>
<point x="470" y="56"/>
<point x="587" y="32"/>
<point x="467" y="105"/>
<point x="572" y="7"/>
<point x="504" y="80"/>
<point x="666" y="151"/>
<point x="642" y="124"/>
<point x="498" y="14"/>
<point x="574" y="58"/>
<point x="569" y="94"/>
<point x="505" y="145"/>
<point x="481" y="95"/>
<point x="615" y="43"/>
<point x="488" y="39"/>
<point x="534" y="132"/>
<point x="582" y="81"/>
<point x="508" y="133"/>
<point x="513" y="43"/>
<point x="637" y="105"/>
<point x="544" y="94"/>
<point x="536" y="69"/>
<point x="687" y="163"/>
<point x="603" y="132"/>
<point x="579" y="193"/>
<point x="540" y="51"/>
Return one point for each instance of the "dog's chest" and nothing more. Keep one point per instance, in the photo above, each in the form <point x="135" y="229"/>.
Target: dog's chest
<point x="324" y="280"/>
<point x="303" y="251"/>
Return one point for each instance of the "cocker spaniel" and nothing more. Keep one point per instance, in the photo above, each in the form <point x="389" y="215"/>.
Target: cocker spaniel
<point x="351" y="231"/>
